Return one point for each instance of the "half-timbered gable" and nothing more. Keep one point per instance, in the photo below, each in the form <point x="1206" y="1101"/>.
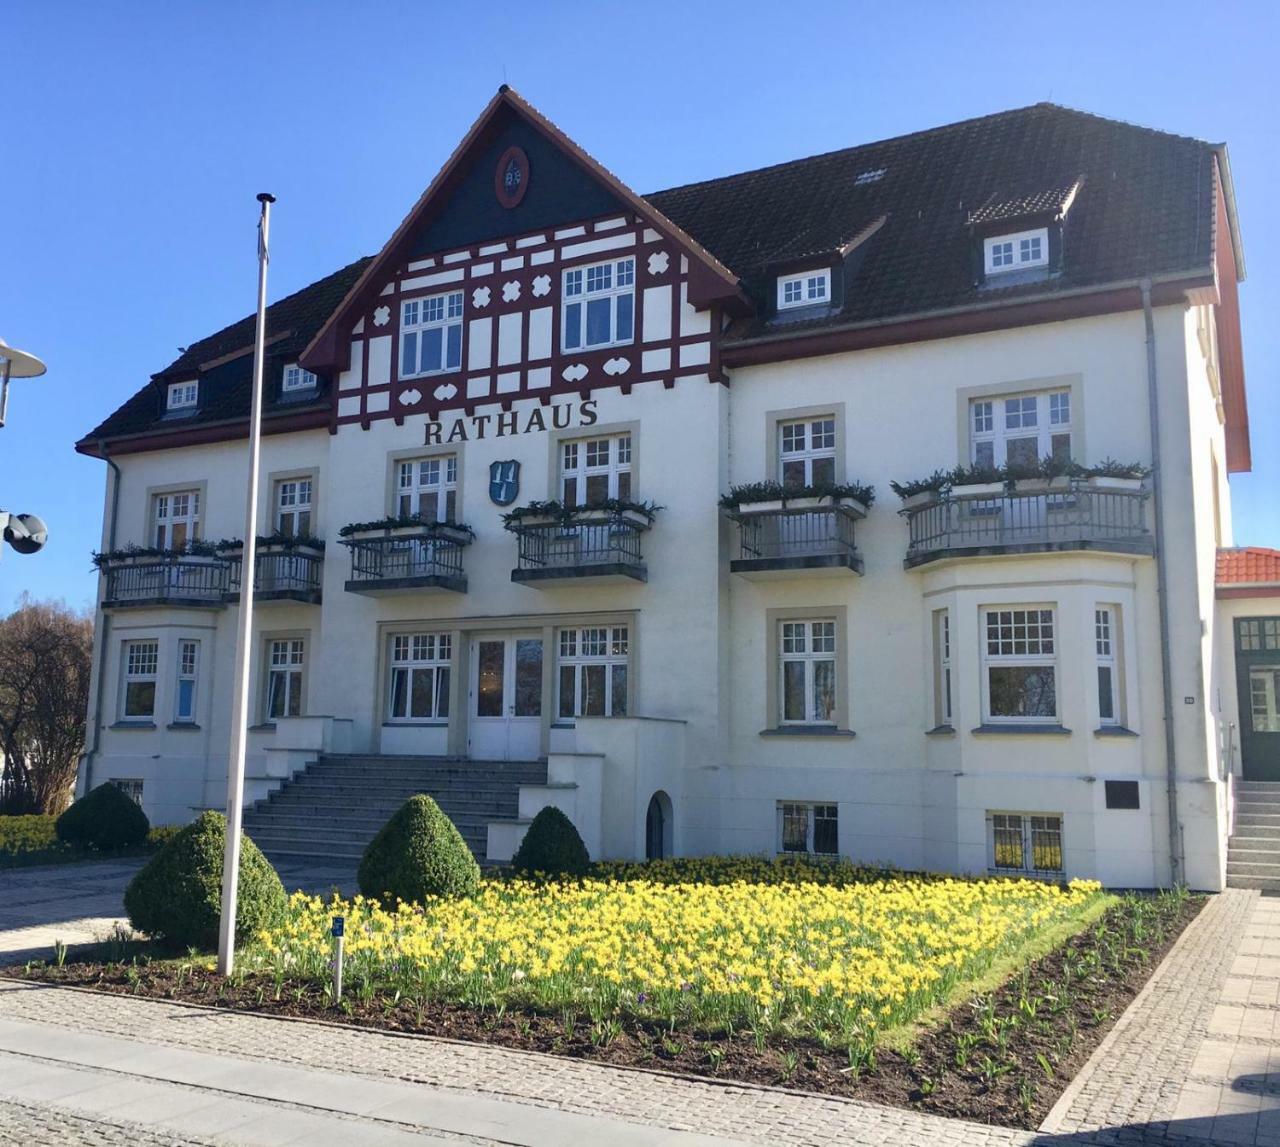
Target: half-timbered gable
<point x="525" y="271"/>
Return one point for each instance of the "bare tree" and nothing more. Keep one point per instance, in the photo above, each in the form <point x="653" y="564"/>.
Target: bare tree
<point x="46" y="651"/>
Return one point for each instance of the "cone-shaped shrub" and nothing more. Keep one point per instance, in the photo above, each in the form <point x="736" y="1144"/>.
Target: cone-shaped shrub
<point x="551" y="846"/>
<point x="177" y="897"/>
<point x="418" y="853"/>
<point x="105" y="817"/>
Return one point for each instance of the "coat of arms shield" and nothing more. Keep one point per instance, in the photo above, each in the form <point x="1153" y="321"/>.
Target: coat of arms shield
<point x="504" y="482"/>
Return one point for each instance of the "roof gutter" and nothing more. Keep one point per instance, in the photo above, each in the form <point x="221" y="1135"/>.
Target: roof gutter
<point x="1233" y="219"/>
<point x="1176" y="874"/>
<point x="1179" y="280"/>
<point x="100" y="643"/>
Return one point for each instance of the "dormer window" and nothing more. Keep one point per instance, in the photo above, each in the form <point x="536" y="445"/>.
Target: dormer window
<point x="296" y="379"/>
<point x="806" y="289"/>
<point x="182" y="395"/>
<point x="1016" y="252"/>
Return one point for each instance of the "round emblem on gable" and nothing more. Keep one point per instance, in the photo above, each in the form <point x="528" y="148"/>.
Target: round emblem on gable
<point x="511" y="179"/>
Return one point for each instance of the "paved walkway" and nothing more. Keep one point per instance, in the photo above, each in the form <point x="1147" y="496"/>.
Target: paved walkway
<point x="1196" y="1058"/>
<point x="83" y="903"/>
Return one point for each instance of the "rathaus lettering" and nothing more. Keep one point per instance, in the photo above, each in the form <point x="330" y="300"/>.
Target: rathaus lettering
<point x="558" y="417"/>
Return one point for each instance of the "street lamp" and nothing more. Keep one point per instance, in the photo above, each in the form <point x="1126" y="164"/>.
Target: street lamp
<point x="24" y="532"/>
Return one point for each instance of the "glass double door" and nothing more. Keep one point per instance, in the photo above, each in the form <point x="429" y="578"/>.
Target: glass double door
<point x="506" y="697"/>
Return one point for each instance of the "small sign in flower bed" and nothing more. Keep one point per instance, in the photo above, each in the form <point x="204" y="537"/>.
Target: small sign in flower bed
<point x="828" y="978"/>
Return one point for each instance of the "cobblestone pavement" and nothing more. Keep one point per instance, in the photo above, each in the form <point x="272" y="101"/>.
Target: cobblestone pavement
<point x="38" y="1125"/>
<point x="82" y="903"/>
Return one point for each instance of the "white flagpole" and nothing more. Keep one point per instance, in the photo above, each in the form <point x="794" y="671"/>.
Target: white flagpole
<point x="240" y="697"/>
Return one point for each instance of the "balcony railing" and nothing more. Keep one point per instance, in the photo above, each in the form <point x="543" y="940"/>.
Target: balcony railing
<point x="1072" y="515"/>
<point x="422" y="558"/>
<point x="179" y="579"/>
<point x="283" y="575"/>
<point x="603" y="546"/>
<point x="784" y="540"/>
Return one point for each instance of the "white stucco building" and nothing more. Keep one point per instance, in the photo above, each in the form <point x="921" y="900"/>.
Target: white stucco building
<point x="1022" y="675"/>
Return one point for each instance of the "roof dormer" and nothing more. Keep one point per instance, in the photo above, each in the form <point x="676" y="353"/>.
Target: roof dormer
<point x="1019" y="238"/>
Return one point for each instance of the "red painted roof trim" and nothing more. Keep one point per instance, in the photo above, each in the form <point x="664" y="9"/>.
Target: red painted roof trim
<point x="709" y="279"/>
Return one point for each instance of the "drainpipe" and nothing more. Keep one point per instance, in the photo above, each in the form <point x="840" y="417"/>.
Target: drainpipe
<point x="1162" y="590"/>
<point x="95" y="733"/>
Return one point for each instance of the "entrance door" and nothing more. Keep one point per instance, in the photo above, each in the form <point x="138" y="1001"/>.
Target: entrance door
<point x="506" y="697"/>
<point x="1258" y="684"/>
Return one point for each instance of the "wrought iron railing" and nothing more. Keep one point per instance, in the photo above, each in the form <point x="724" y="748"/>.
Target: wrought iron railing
<point x="580" y="544"/>
<point x="180" y="578"/>
<point x="1076" y="513"/>
<point x="397" y="557"/>
<point x="824" y="531"/>
<point x="283" y="572"/>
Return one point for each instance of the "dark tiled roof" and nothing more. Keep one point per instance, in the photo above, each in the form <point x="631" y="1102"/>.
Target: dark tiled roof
<point x="225" y="388"/>
<point x="1144" y="207"/>
<point x="1043" y="201"/>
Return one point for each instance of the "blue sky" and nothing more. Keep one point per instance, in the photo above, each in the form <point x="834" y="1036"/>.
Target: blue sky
<point x="136" y="135"/>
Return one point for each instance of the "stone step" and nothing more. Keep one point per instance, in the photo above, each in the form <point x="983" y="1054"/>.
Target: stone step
<point x="1251" y="848"/>
<point x="1257" y="800"/>
<point x="301" y="801"/>
<point x="349" y="831"/>
<point x="1266" y="831"/>
<point x="1253" y="868"/>
<point x="339" y="849"/>
<point x="373" y="788"/>
<point x="1257" y="786"/>
<point x="1266" y="883"/>
<point x="1246" y="818"/>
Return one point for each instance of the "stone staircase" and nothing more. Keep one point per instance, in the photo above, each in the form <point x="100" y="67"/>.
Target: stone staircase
<point x="333" y="809"/>
<point x="1253" y="852"/>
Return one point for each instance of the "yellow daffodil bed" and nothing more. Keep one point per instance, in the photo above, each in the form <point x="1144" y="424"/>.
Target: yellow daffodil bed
<point x="839" y="963"/>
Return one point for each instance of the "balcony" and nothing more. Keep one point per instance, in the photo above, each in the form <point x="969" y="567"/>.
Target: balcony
<point x="1039" y="516"/>
<point x="284" y="573"/>
<point x="404" y="559"/>
<point x="185" y="580"/>
<point x="603" y="545"/>
<point x="806" y="537"/>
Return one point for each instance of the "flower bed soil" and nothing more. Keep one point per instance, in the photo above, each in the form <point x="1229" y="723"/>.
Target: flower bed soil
<point x="1002" y="1058"/>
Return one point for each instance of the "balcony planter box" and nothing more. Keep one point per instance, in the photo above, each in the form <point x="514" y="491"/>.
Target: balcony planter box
<point x="821" y="503"/>
<point x="1042" y="485"/>
<point x="1103" y="483"/>
<point x="302" y="550"/>
<point x="978" y="490"/>
<point x="532" y="520"/>
<point x="922" y="499"/>
<point x="434" y="529"/>
<point x="771" y="507"/>
<point x="604" y="517"/>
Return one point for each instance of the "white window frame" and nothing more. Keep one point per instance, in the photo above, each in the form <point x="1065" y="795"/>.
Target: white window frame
<point x="182" y="395"/>
<point x="140" y="665"/>
<point x="293" y="506"/>
<point x="809" y="642"/>
<point x="130" y="786"/>
<point x="811" y="443"/>
<point x="1015" y="625"/>
<point x="997" y="420"/>
<point x="942" y="678"/>
<point x="286" y="659"/>
<point x="171" y="509"/>
<point x="804" y="289"/>
<point x="414" y="323"/>
<point x="578" y="292"/>
<point x="1019" y="248"/>
<point x="297" y="378"/>
<point x="188" y="674"/>
<point x="1025" y="823"/>
<point x="427" y="488"/>
<point x="789" y="814"/>
<point x="1106" y="640"/>
<point x="411" y="655"/>
<point x="581" y="648"/>
<point x="607" y="456"/>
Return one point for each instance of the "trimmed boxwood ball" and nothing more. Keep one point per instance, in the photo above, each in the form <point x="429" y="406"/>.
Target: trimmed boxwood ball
<point x="105" y="817"/>
<point x="177" y="897"/>
<point x="551" y="846"/>
<point x="418" y="853"/>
